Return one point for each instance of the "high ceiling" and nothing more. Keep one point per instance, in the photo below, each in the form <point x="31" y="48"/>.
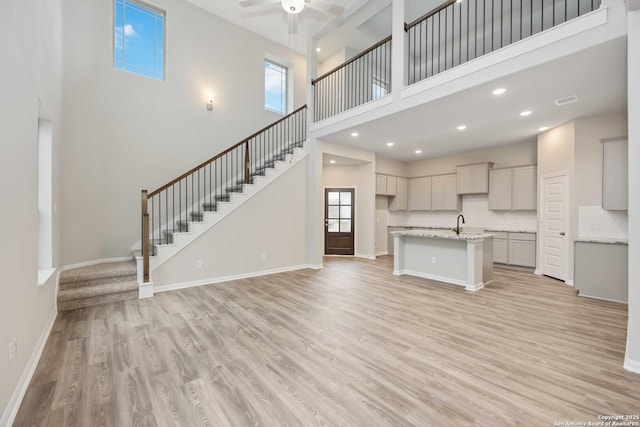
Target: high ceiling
<point x="363" y="23"/>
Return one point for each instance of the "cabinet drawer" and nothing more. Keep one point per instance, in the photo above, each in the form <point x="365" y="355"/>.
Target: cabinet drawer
<point x="499" y="235"/>
<point x="522" y="236"/>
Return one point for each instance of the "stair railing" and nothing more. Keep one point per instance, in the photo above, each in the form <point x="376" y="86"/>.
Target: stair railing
<point x="363" y="78"/>
<point x="170" y="208"/>
<point x="461" y="30"/>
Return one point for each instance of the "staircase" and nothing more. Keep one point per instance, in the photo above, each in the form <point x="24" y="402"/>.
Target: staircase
<point x="179" y="212"/>
<point x="97" y="284"/>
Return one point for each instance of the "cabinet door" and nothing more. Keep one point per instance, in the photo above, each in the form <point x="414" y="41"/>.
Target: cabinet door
<point x="525" y="190"/>
<point x="500" y="251"/>
<point x="444" y="193"/>
<point x="465" y="179"/>
<point x="391" y="185"/>
<point x="420" y="194"/>
<point x="615" y="175"/>
<point x="481" y="178"/>
<point x="399" y="203"/>
<point x="500" y="189"/>
<point x="522" y="252"/>
<point x="381" y="185"/>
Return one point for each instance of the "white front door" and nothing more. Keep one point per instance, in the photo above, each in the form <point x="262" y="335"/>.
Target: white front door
<point x="555" y="222"/>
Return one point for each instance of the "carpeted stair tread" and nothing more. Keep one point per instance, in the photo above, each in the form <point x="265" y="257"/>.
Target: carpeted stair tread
<point x="97" y="290"/>
<point x="99" y="271"/>
<point x="97" y="300"/>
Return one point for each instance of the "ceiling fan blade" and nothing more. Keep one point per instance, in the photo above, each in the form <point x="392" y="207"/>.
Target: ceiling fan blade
<point x="325" y="7"/>
<point x="249" y="3"/>
<point x="293" y="24"/>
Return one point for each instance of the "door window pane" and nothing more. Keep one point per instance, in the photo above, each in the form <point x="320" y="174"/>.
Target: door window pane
<point x="334" y="198"/>
<point x="334" y="212"/>
<point x="345" y="212"/>
<point x="345" y="198"/>
<point x="345" y="226"/>
<point x="334" y="226"/>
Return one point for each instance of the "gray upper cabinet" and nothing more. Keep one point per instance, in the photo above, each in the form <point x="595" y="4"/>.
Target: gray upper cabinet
<point x="615" y="174"/>
<point x="500" y="189"/>
<point x="420" y="194"/>
<point x="399" y="202"/>
<point x="473" y="179"/>
<point x="391" y="185"/>
<point x="513" y="188"/>
<point x="381" y="185"/>
<point x="444" y="194"/>
<point x="525" y="190"/>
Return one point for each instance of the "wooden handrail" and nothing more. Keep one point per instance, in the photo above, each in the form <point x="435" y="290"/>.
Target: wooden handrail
<point x="429" y="14"/>
<point x="355" y="58"/>
<point x="216" y="157"/>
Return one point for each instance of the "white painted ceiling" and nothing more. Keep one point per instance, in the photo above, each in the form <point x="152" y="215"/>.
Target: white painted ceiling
<point x="597" y="76"/>
<point x="363" y="23"/>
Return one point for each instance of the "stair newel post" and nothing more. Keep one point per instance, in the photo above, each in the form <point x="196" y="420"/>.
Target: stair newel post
<point x="247" y="171"/>
<point x="145" y="237"/>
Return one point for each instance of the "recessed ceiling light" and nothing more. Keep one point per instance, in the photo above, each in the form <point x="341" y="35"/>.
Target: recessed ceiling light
<point x="317" y="49"/>
<point x="461" y="127"/>
<point x="418" y="151"/>
<point x="499" y="91"/>
<point x="354" y="134"/>
<point x="526" y="113"/>
<point x="390" y="144"/>
<point x="543" y="128"/>
<point x="332" y="162"/>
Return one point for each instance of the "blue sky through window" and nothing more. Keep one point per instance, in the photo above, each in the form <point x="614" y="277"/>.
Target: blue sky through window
<point x="139" y="39"/>
<point x="275" y="87"/>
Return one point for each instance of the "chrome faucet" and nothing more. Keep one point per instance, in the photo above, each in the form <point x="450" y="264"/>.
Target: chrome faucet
<point x="458" y="223"/>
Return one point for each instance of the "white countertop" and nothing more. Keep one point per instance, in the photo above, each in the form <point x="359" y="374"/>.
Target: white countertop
<point x="610" y="241"/>
<point x="490" y="229"/>
<point x="442" y="234"/>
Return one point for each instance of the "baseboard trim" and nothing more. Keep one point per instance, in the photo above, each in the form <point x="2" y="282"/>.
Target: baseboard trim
<point x="96" y="261"/>
<point x="382" y="253"/>
<point x="569" y="282"/>
<point x="632" y="366"/>
<point x="16" y="399"/>
<point x="363" y="256"/>
<point x="213" y="280"/>
<point x="601" y="299"/>
<point x="434" y="277"/>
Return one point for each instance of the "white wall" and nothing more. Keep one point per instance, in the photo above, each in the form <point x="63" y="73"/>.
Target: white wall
<point x="632" y="356"/>
<point x="388" y="166"/>
<point x="270" y="225"/>
<point x="592" y="220"/>
<point x="30" y="69"/>
<point x="362" y="178"/>
<point x="382" y="219"/>
<point x="556" y="154"/>
<point x="125" y="132"/>
<point x="475" y="208"/>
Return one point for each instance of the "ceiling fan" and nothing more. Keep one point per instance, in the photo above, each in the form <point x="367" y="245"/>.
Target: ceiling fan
<point x="295" y="7"/>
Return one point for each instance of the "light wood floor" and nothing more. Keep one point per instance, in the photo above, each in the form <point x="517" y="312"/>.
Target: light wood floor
<point x="347" y="345"/>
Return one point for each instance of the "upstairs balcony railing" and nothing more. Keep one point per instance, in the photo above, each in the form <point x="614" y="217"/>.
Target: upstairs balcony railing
<point x="365" y="77"/>
<point x="461" y="30"/>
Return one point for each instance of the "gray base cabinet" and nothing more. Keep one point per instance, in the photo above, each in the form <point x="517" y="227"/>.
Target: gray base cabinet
<point x="518" y="249"/>
<point x="601" y="270"/>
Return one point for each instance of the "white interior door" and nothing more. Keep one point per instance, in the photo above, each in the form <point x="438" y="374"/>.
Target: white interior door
<point x="555" y="222"/>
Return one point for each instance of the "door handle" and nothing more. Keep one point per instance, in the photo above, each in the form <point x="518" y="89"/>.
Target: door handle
<point x="562" y="233"/>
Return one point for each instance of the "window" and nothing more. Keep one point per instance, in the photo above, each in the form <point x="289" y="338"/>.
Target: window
<point x="138" y="39"/>
<point x="379" y="88"/>
<point x="275" y="87"/>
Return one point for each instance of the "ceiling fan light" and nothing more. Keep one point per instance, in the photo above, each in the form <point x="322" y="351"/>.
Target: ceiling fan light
<point x="293" y="6"/>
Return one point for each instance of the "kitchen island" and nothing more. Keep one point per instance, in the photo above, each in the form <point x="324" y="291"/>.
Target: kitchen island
<point x="464" y="259"/>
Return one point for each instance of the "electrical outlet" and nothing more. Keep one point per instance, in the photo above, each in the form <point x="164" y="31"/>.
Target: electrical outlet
<point x="434" y="260"/>
<point x="12" y="351"/>
<point x="263" y="256"/>
<point x="199" y="263"/>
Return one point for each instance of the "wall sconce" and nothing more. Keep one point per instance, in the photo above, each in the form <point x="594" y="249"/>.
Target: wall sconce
<point x="210" y="102"/>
